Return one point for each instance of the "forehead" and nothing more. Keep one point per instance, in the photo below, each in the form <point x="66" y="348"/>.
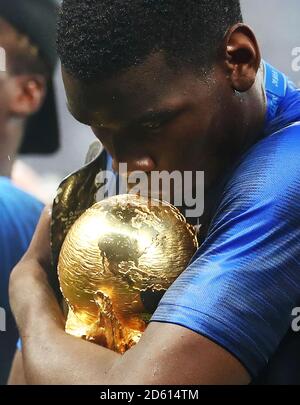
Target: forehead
<point x="152" y="85"/>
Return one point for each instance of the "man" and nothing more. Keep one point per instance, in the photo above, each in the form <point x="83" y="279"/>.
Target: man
<point x="27" y="125"/>
<point x="172" y="85"/>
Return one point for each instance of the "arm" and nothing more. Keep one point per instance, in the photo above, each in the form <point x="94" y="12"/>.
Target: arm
<point x="163" y="350"/>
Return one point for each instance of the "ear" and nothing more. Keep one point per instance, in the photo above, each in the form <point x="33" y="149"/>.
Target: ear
<point x="241" y="56"/>
<point x="28" y="94"/>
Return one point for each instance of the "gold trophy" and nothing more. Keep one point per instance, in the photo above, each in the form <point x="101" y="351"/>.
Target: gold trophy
<point x="113" y="257"/>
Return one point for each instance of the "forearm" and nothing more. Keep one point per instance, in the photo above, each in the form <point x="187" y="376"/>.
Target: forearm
<point x="53" y="357"/>
<point x="50" y="356"/>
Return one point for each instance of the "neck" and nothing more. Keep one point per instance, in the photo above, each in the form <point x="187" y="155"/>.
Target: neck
<point x="254" y="111"/>
<point x="249" y="110"/>
<point x="10" y="138"/>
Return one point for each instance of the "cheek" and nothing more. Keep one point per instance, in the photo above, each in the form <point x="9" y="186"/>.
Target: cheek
<point x="196" y="124"/>
<point x="190" y="133"/>
<point x="191" y="141"/>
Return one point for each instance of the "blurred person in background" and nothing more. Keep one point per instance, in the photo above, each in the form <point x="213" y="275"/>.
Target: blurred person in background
<point x="28" y="124"/>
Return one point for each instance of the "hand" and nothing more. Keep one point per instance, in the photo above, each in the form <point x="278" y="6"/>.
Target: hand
<point x="29" y="289"/>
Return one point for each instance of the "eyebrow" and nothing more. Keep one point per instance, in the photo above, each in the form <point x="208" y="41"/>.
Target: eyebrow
<point x="162" y="116"/>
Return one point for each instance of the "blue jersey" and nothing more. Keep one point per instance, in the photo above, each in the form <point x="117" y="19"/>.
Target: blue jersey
<point x="244" y="281"/>
<point x="19" y="214"/>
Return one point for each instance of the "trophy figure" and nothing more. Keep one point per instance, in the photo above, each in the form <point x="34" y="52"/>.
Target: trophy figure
<point x="115" y="259"/>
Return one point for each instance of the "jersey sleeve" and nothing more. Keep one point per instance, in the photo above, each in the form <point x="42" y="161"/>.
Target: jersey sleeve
<point x="244" y="281"/>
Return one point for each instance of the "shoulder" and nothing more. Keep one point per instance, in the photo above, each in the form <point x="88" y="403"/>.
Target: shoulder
<point x="268" y="175"/>
<point x="8" y="191"/>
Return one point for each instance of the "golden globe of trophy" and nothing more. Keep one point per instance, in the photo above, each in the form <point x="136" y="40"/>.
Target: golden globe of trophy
<point x="118" y="251"/>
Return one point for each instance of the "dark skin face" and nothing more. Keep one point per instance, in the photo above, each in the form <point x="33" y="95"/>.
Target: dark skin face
<point x="154" y="117"/>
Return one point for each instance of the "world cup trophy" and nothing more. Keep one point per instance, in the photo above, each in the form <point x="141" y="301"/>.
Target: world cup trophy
<point x="115" y="260"/>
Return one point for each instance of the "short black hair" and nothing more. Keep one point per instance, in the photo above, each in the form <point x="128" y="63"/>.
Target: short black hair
<point x="100" y="38"/>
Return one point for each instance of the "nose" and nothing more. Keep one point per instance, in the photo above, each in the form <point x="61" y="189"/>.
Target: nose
<point x="143" y="164"/>
<point x="125" y="150"/>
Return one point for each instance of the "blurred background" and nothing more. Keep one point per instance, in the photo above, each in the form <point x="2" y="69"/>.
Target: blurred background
<point x="276" y="24"/>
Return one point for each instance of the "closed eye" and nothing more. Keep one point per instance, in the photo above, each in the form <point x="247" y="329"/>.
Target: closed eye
<point x="152" y="125"/>
<point x="154" y="121"/>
